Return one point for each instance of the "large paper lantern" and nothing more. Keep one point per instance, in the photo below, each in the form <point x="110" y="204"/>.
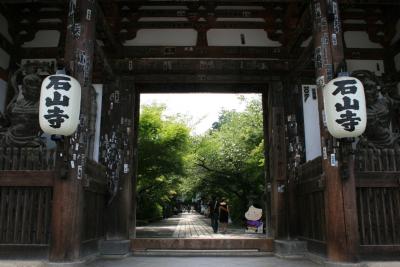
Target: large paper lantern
<point x="59" y="107"/>
<point x="345" y="109"/>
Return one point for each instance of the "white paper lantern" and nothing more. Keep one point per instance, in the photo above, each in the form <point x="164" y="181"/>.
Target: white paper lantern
<point x="345" y="109"/>
<point x="59" y="107"/>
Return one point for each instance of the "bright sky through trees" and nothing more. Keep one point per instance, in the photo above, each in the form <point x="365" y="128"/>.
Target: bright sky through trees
<point x="203" y="108"/>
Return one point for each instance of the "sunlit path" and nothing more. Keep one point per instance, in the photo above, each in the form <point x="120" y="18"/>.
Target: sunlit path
<point x="189" y="225"/>
<point x="192" y="225"/>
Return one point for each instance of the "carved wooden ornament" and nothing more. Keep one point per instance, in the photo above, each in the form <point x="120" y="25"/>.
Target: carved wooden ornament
<point x="59" y="107"/>
<point x="345" y="108"/>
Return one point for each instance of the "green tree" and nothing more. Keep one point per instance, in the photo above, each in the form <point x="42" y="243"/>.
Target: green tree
<point x="162" y="145"/>
<point x="228" y="160"/>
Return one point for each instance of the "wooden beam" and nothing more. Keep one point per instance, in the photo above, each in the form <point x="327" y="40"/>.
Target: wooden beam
<point x="303" y="29"/>
<point x="27" y="178"/>
<point x="377" y="179"/>
<point x="199" y="66"/>
<point x="37" y="26"/>
<point x="184" y="13"/>
<point x="204" y="52"/>
<point x="201" y="87"/>
<point x="204" y="2"/>
<point x="192" y="25"/>
<point x="104" y="63"/>
<point x="202" y="79"/>
<point x="104" y="26"/>
<point x="39" y="52"/>
<point x="304" y="59"/>
<point x="364" y="53"/>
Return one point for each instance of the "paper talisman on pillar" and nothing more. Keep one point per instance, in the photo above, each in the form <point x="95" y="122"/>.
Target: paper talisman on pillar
<point x="345" y="108"/>
<point x="60" y="102"/>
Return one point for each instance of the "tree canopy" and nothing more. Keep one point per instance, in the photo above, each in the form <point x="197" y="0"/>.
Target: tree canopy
<point x="226" y="161"/>
<point x="163" y="144"/>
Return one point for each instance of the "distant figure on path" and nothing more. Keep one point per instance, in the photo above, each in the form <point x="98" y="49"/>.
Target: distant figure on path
<point x="223" y="215"/>
<point x="214" y="212"/>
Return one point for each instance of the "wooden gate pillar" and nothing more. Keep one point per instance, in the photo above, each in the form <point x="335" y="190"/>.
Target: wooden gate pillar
<point x="66" y="228"/>
<point x="340" y="205"/>
<point x="118" y="128"/>
<point x="135" y="141"/>
<point x="277" y="159"/>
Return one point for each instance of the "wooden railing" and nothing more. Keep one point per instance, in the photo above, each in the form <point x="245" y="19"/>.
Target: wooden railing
<point x="27" y="158"/>
<point x="378" y="201"/>
<point x="378" y="160"/>
<point x="25" y="206"/>
<point x="25" y="214"/>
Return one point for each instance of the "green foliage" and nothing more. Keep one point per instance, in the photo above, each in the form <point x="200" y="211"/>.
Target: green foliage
<point x="228" y="160"/>
<point x="163" y="143"/>
<point x="150" y="211"/>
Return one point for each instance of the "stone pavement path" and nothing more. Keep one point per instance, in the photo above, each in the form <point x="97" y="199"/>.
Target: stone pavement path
<point x="189" y="225"/>
<point x="203" y="262"/>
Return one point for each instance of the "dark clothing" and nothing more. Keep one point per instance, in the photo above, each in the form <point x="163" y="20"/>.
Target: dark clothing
<point x="214" y="215"/>
<point x="223" y="212"/>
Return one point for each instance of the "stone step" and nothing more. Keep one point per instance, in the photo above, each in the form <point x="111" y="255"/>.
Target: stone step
<point x="145" y="244"/>
<point x="200" y="253"/>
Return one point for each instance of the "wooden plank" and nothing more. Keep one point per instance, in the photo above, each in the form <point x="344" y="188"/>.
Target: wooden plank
<point x="361" y="215"/>
<point x="17" y="220"/>
<point x="385" y="225"/>
<point x="24" y="224"/>
<point x="26" y="251"/>
<point x="377" y="217"/>
<point x="27" y="178"/>
<point x="369" y="210"/>
<point x="8" y="159"/>
<point x="397" y="204"/>
<point x="39" y="218"/>
<point x="21" y="165"/>
<point x="379" y="251"/>
<point x="2" y="158"/>
<point x="29" y="159"/>
<point x="3" y="217"/>
<point x="377" y="179"/>
<point x="9" y="215"/>
<point x="15" y="157"/>
<point x="392" y="159"/>
<point x="392" y="216"/>
<point x="47" y="214"/>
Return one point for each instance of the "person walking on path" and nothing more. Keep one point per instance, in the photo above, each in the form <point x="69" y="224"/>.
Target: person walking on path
<point x="223" y="215"/>
<point x="214" y="212"/>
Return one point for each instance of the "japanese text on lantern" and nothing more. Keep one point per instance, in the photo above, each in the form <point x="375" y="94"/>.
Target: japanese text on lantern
<point x="59" y="107"/>
<point x="345" y="110"/>
<point x="55" y="114"/>
<point x="348" y="119"/>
